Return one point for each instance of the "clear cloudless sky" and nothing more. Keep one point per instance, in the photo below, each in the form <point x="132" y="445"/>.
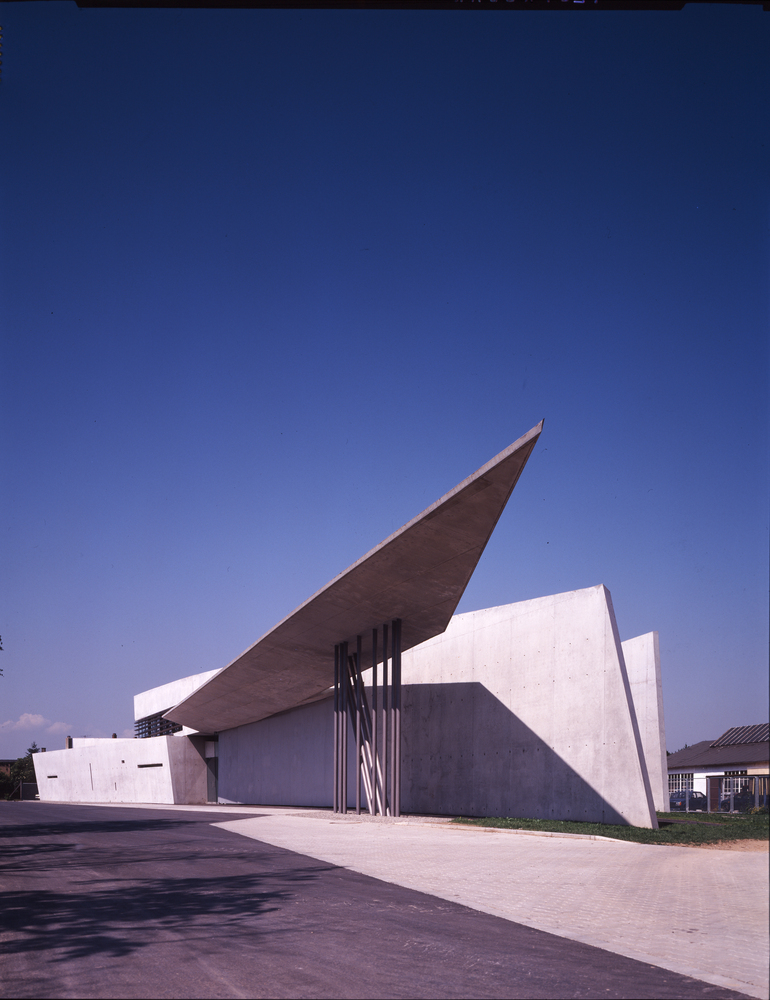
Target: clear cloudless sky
<point x="273" y="281"/>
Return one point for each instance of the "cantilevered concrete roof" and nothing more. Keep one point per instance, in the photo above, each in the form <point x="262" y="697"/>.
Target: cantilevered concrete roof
<point x="418" y="574"/>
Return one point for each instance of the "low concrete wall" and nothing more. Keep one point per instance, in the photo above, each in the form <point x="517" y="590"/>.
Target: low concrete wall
<point x="522" y="710"/>
<point x="162" y="769"/>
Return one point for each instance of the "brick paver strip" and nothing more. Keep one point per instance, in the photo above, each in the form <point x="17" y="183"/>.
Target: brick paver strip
<point x="698" y="913"/>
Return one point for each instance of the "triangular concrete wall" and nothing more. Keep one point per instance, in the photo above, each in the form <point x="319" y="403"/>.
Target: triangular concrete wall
<point x="557" y="739"/>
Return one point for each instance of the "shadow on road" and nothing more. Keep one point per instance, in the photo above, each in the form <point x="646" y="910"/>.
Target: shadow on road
<point x="68" y="829"/>
<point x="126" y="915"/>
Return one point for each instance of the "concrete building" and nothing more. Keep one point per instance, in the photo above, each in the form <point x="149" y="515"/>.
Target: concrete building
<point x="521" y="710"/>
<point x="374" y="695"/>
<point x="530" y="709"/>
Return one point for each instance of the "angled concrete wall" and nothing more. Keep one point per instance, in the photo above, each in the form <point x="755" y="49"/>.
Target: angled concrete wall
<point x="642" y="656"/>
<point x="526" y="710"/>
<point x="161" y="769"/>
<point x="165" y="696"/>
<point x="522" y="710"/>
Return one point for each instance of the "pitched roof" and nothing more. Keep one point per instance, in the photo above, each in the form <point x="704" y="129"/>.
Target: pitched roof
<point x="705" y="754"/>
<point x="418" y="574"/>
<point x="743" y="734"/>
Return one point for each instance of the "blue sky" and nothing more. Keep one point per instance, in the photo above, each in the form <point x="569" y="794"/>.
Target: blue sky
<point x="274" y="281"/>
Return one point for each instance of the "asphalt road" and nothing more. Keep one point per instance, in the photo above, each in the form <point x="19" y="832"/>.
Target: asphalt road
<point x="122" y="902"/>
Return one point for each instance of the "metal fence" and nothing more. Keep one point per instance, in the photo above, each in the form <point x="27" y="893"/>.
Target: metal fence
<point x="24" y="790"/>
<point x="740" y="793"/>
<point x="728" y="793"/>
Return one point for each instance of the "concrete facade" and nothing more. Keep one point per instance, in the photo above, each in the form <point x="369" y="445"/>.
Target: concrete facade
<point x="521" y="710"/>
<point x="642" y="656"/>
<point x="525" y="710"/>
<point x="417" y="575"/>
<point x="165" y="696"/>
<point x="162" y="769"/>
<point x="532" y="709"/>
<point x="283" y="760"/>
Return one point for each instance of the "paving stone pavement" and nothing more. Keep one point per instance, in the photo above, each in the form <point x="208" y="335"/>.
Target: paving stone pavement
<point x="699" y="913"/>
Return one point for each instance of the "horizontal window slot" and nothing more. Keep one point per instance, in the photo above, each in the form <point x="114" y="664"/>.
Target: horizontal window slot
<point x="53" y="775"/>
<point x="149" y="765"/>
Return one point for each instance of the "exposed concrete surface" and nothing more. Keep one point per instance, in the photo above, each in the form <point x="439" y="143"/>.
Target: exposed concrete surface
<point x="519" y="710"/>
<point x="124" y="902"/>
<point x="642" y="656"/>
<point x="163" y="697"/>
<point x="418" y="574"/>
<point x="699" y="913"/>
<point x="160" y="769"/>
<point x="524" y="710"/>
<point x="286" y="759"/>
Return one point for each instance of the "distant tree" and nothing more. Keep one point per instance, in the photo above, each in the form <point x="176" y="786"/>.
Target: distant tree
<point x="22" y="768"/>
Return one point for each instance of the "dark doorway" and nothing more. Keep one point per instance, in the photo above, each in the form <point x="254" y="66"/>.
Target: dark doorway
<point x="212" y="790"/>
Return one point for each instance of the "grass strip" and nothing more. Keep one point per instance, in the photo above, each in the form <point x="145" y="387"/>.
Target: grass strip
<point x="675" y="828"/>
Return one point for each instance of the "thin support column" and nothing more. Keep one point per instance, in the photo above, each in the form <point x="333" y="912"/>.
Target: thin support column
<point x="377" y="738"/>
<point x="344" y="727"/>
<point x="397" y="716"/>
<point x="336" y="797"/>
<point x="392" y="720"/>
<point x="374" y="723"/>
<point x="385" y="714"/>
<point x="358" y="724"/>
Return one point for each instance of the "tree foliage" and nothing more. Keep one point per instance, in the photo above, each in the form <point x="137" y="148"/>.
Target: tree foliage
<point x="22" y="769"/>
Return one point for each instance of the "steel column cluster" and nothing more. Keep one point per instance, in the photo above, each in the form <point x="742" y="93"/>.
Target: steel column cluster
<point x="376" y="730"/>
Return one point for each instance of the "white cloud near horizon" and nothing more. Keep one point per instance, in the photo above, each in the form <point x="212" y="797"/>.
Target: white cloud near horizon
<point x="31" y="720"/>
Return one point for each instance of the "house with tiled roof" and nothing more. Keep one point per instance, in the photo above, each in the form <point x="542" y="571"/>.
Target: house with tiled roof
<point x="724" y="767"/>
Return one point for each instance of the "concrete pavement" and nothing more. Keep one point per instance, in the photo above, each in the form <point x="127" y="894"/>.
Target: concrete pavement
<point x="699" y="913"/>
<point x="117" y="901"/>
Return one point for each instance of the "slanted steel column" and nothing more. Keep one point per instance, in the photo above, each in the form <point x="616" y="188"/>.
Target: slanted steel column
<point x="374" y="723"/>
<point x="358" y="724"/>
<point x="385" y="713"/>
<point x="377" y="769"/>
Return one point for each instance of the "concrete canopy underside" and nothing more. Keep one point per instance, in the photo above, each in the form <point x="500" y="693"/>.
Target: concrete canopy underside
<point x="418" y="574"/>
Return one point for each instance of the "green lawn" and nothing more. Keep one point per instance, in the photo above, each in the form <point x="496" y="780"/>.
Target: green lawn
<point x="675" y="828"/>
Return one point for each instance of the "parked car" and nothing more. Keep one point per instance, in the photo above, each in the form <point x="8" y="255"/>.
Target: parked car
<point x="742" y="801"/>
<point x="698" y="801"/>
